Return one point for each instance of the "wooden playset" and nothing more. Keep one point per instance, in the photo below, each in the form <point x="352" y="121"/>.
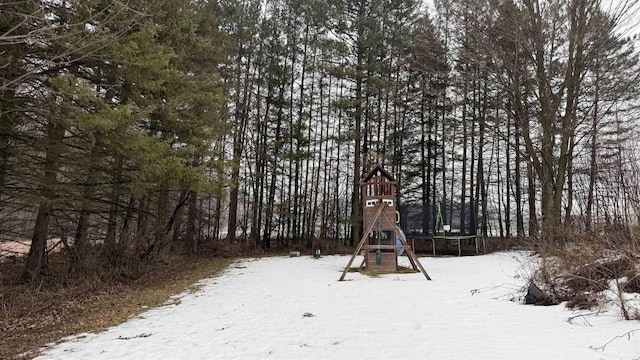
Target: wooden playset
<point x="383" y="239"/>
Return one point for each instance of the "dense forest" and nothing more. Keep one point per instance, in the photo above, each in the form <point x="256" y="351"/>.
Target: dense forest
<point x="132" y="128"/>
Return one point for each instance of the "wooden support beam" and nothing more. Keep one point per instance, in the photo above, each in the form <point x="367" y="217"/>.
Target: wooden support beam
<point x="387" y="247"/>
<point x="365" y="236"/>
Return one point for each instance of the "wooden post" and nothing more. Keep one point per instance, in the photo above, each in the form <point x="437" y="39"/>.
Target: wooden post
<point x="433" y="244"/>
<point x="364" y="238"/>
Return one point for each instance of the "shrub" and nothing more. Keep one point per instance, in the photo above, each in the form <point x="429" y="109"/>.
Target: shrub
<point x="591" y="270"/>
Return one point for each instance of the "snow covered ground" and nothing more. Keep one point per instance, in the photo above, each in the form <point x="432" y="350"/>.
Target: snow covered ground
<point x="295" y="308"/>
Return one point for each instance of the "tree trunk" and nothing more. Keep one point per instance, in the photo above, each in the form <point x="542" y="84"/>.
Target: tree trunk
<point x="35" y="263"/>
<point x="160" y="240"/>
<point x="126" y="223"/>
<point x="593" y="164"/>
<point x="518" y="187"/>
<point x="534" y="230"/>
<point x="465" y="144"/>
<point x="356" y="216"/>
<point x="110" y="239"/>
<point x="507" y="161"/>
<point x="191" y="238"/>
<point x="7" y="98"/>
<point x="78" y="251"/>
<point x="241" y="103"/>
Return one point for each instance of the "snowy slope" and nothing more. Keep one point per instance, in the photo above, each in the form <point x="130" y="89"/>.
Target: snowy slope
<point x="294" y="308"/>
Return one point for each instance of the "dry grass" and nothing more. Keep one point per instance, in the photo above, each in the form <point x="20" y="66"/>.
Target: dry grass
<point x="37" y="314"/>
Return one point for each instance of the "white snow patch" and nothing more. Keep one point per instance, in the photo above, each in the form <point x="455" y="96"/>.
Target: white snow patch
<point x="295" y="308"/>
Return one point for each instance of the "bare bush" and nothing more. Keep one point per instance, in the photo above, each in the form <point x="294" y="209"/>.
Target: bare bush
<point x="591" y="270"/>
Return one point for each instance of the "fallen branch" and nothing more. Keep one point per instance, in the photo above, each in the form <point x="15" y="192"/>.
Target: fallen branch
<point x="628" y="335"/>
